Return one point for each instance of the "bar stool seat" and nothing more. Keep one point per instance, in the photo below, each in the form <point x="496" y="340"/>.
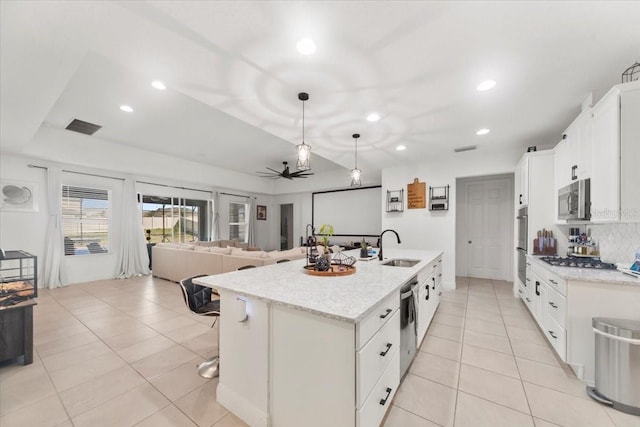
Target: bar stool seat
<point x="198" y="300"/>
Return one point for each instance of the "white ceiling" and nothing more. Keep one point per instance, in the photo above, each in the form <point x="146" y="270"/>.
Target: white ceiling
<point x="233" y="74"/>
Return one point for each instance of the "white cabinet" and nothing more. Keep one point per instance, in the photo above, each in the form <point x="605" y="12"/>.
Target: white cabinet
<point x="572" y="155"/>
<point x="522" y="182"/>
<point x="605" y="195"/>
<point x="319" y="360"/>
<point x="615" y="151"/>
<point x="428" y="296"/>
<point x="543" y="295"/>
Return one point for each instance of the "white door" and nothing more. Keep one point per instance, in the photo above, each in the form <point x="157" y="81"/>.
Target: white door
<point x="488" y="228"/>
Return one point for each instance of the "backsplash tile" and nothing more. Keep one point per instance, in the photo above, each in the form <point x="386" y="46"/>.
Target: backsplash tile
<point x="618" y="242"/>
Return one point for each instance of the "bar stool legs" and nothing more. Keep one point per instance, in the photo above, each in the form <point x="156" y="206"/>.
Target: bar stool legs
<point x="211" y="368"/>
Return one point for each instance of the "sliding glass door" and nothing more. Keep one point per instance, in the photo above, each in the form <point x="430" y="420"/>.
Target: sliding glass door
<point x="176" y="219"/>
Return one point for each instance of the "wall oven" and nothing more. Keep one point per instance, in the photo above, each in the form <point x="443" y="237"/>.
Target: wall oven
<point x="523" y="218"/>
<point x="574" y="201"/>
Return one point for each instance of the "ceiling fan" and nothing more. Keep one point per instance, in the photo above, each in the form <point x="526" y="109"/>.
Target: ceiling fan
<point x="285" y="173"/>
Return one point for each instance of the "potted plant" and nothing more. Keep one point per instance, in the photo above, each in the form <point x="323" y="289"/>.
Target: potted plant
<point x="326" y="231"/>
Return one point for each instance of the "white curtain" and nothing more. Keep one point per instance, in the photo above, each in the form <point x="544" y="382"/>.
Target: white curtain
<point x="251" y="234"/>
<point x="53" y="268"/>
<point x="132" y="258"/>
<point x="216" y="216"/>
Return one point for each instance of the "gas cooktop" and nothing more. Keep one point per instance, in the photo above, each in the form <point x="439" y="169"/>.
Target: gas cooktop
<point x="577" y="262"/>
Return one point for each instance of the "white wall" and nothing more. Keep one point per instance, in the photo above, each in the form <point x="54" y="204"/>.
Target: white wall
<point x="26" y="230"/>
<point x="423" y="229"/>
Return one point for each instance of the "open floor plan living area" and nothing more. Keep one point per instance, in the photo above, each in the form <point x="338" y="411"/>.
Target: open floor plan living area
<point x="319" y="214"/>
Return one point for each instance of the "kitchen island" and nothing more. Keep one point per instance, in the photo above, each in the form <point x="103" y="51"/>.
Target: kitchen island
<point x="297" y="349"/>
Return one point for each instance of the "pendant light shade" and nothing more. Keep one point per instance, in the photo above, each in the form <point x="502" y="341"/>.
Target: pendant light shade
<point x="355" y="172"/>
<point x="304" y="150"/>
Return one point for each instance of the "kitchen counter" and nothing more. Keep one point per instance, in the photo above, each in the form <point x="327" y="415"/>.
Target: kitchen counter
<point x="338" y="339"/>
<point x="588" y="274"/>
<point x="347" y="298"/>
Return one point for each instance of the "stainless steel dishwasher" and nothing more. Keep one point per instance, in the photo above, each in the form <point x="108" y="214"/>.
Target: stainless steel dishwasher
<point x="408" y="316"/>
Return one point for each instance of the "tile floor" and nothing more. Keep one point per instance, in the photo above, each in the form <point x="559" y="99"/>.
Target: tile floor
<point x="123" y="353"/>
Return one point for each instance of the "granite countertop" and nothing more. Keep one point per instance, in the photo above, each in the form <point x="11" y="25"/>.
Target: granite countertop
<point x="614" y="277"/>
<point x="349" y="298"/>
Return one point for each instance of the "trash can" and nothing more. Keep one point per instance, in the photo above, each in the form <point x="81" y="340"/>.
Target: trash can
<point x="617" y="363"/>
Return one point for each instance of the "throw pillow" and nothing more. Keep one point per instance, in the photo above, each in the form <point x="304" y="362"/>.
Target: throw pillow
<point x="217" y="250"/>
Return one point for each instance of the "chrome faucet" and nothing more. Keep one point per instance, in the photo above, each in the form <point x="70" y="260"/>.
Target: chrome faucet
<point x="380" y="241"/>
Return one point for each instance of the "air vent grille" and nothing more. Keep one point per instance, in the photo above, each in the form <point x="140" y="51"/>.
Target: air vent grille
<point x="83" y="127"/>
<point x="467" y="148"/>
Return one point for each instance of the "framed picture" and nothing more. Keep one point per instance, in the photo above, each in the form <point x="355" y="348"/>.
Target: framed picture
<point x="261" y="212"/>
<point x="18" y="196"/>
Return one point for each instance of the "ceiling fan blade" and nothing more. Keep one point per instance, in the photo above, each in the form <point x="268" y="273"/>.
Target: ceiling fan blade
<point x="273" y="170"/>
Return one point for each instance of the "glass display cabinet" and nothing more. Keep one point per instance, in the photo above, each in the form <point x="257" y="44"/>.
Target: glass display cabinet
<point x="18" y="277"/>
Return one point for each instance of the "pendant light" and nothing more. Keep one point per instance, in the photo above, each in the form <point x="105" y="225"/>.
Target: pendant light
<point x="304" y="150"/>
<point x="355" y="172"/>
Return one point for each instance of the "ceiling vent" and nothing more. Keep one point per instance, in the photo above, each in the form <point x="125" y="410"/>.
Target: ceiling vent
<point x="83" y="127"/>
<point x="467" y="148"/>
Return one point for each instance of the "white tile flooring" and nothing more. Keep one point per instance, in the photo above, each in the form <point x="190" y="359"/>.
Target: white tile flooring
<point x="124" y="352"/>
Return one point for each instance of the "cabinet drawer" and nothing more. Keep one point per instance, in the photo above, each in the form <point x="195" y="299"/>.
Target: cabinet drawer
<point x="368" y="326"/>
<point x="527" y="297"/>
<point x="556" y="306"/>
<point x="427" y="271"/>
<point x="372" y="360"/>
<point x="553" y="280"/>
<point x="529" y="279"/>
<point x="379" y="400"/>
<point x="557" y="336"/>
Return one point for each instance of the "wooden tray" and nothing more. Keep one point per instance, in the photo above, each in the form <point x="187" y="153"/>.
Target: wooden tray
<point x="336" y="270"/>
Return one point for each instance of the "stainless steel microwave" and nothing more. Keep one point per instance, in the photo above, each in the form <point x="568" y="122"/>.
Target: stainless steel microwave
<point x="574" y="201"/>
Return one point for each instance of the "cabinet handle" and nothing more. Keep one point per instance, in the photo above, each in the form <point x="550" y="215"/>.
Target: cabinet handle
<point x="384" y="401"/>
<point x="383" y="316"/>
<point x="527" y="279"/>
<point x="440" y="275"/>
<point x="553" y="281"/>
<point x="574" y="175"/>
<point x="520" y="290"/>
<point x="427" y="289"/>
<point x="537" y="288"/>
<point x="528" y="300"/>
<point x="552" y="305"/>
<point x="434" y="282"/>
<point x="553" y="335"/>
<point x="528" y="264"/>
<point x="520" y="199"/>
<point x="439" y="261"/>
<point x="384" y="353"/>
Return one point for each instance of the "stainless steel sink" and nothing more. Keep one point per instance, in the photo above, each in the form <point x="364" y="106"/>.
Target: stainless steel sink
<point x="399" y="262"/>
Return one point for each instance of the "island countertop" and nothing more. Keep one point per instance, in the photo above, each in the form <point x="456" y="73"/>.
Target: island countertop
<point x="348" y="298"/>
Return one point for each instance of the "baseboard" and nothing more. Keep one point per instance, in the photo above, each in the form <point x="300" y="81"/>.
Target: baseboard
<point x="241" y="407"/>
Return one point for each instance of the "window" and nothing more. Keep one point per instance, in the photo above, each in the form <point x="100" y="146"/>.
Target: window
<point x="238" y="221"/>
<point x="174" y="219"/>
<point x="85" y="220"/>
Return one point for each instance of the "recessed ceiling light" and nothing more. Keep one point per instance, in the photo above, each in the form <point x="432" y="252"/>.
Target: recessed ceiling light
<point x="158" y="85"/>
<point x="483" y="131"/>
<point x="486" y="85"/>
<point x="401" y="148"/>
<point x="126" y="109"/>
<point x="306" y="46"/>
<point x="373" y="117"/>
